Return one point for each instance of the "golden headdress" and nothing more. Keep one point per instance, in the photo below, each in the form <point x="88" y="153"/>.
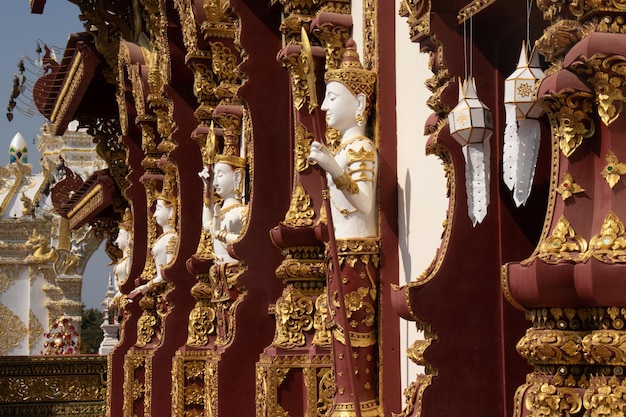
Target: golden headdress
<point x="229" y="118"/>
<point x="127" y="220"/>
<point x="169" y="189"/>
<point x="352" y="74"/>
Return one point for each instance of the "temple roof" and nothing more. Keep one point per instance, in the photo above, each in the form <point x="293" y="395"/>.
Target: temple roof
<point x="74" y="87"/>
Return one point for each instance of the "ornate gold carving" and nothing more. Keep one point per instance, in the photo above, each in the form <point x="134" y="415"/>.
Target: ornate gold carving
<point x="300" y="212"/>
<point x="416" y="351"/>
<point x="297" y="68"/>
<point x="609" y="245"/>
<point x="551" y="8"/>
<point x="370" y="34"/>
<point x="227" y="294"/>
<point x="202" y="317"/>
<point x="316" y="373"/>
<point x="579" y="8"/>
<point x="201" y="325"/>
<point x="116" y="20"/>
<point x="353" y="250"/>
<point x="334" y="38"/>
<point x="547" y="346"/>
<point x="137" y="382"/>
<point x="323" y="336"/>
<point x="568" y="187"/>
<point x="606" y="74"/>
<point x="195" y="384"/>
<point x="608" y="95"/>
<point x="560" y="37"/>
<point x="294" y="317"/>
<point x="188" y="24"/>
<point x="564" y="245"/>
<point x="303" y="139"/>
<point x="613" y="170"/>
<point x="149" y="320"/>
<point x="471" y="9"/>
<point x="40" y="385"/>
<point x="35" y="331"/>
<point x="305" y="263"/>
<point x="605" y="398"/>
<point x="413" y="395"/>
<point x="418" y="14"/>
<point x="570" y="116"/>
<point x="13" y="330"/>
<point x="9" y="273"/>
<point x="547" y="400"/>
<point x="605" y="346"/>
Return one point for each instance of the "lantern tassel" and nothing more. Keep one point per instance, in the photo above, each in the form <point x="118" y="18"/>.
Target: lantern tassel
<point x="477" y="178"/>
<point x="530" y="139"/>
<point x="511" y="147"/>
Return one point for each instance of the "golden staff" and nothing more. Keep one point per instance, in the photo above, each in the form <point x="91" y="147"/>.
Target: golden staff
<point x="309" y="67"/>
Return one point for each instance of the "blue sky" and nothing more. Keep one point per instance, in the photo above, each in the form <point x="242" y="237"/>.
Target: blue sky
<point x="19" y="31"/>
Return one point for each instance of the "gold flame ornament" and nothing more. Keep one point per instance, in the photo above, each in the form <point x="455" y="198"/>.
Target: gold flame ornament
<point x="471" y="125"/>
<point x="522" y="134"/>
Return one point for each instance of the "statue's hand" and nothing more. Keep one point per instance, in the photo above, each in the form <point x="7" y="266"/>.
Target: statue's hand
<point x="325" y="159"/>
<point x="216" y="224"/>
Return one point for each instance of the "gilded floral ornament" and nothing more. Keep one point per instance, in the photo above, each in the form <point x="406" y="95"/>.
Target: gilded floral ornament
<point x="573" y="126"/>
<point x="304" y="138"/>
<point x="568" y="187"/>
<point x="610" y="244"/>
<point x="605" y="398"/>
<point x="609" y="96"/>
<point x="12" y="329"/>
<point x="563" y="245"/>
<point x="539" y="346"/>
<point x="613" y="170"/>
<point x="300" y="211"/>
<point x="546" y="400"/>
<point x="605" y="347"/>
<point x="294" y="317"/>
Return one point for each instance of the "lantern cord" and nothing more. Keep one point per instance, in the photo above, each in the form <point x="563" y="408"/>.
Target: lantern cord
<point x="471" y="46"/>
<point x="465" y="49"/>
<point x="529" y="5"/>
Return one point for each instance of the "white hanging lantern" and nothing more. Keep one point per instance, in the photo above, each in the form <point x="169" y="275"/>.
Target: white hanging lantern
<point x="470" y="121"/>
<point x="522" y="134"/>
<point x="471" y="125"/>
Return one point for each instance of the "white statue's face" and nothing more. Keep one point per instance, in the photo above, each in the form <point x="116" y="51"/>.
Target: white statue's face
<point x="162" y="213"/>
<point x="223" y="179"/>
<point x="123" y="237"/>
<point x="340" y="106"/>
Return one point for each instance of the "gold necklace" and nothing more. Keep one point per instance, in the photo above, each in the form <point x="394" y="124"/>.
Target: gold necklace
<point x="342" y="145"/>
<point x="229" y="208"/>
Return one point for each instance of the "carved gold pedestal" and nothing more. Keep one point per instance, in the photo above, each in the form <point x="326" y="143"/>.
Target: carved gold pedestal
<point x="579" y="356"/>
<point x="194" y="390"/>
<point x="138" y="383"/>
<point x="279" y="375"/>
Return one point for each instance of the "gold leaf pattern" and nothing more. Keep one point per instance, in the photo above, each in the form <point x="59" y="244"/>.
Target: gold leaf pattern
<point x="568" y="187"/>
<point x="12" y="330"/>
<point x="610" y="244"/>
<point x="563" y="245"/>
<point x="613" y="170"/>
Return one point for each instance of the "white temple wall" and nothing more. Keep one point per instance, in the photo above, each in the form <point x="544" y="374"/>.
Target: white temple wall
<point x="422" y="189"/>
<point x="15" y="306"/>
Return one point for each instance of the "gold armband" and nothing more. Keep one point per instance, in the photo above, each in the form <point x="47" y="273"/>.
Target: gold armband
<point x="345" y="182"/>
<point x="221" y="236"/>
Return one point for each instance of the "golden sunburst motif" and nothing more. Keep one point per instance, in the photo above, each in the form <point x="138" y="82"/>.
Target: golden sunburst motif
<point x="613" y="170"/>
<point x="524" y="90"/>
<point x="568" y="187"/>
